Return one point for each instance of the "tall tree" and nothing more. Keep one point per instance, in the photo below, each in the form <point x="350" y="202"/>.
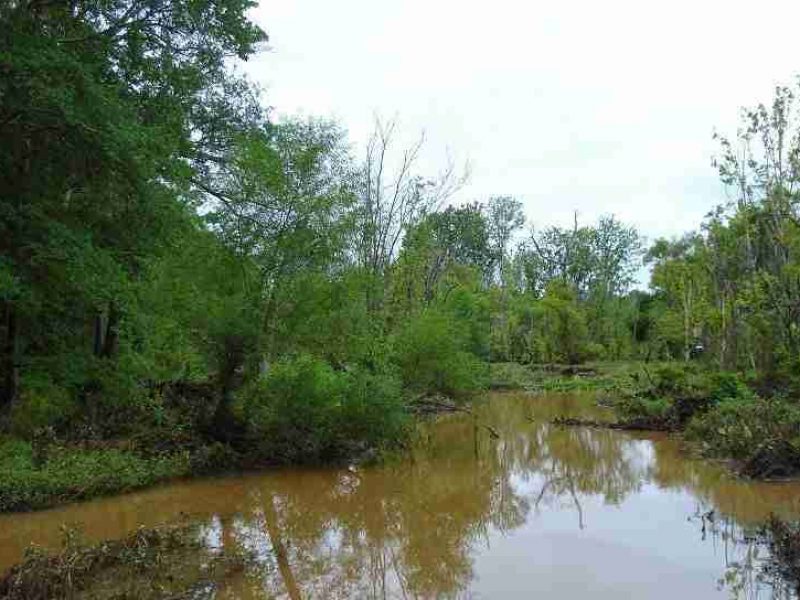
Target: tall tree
<point x="504" y="217"/>
<point x="109" y="109"/>
<point x="393" y="196"/>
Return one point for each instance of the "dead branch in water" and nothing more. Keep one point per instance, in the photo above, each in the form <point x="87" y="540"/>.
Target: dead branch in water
<point x="632" y="426"/>
<point x="440" y="406"/>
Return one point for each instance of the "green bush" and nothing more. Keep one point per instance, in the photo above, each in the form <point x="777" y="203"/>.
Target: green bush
<point x="511" y="376"/>
<point x="763" y="434"/>
<point x="72" y="474"/>
<point x="647" y="412"/>
<point x="432" y="353"/>
<point x="41" y="404"/>
<point x="305" y="411"/>
<point x="680" y="391"/>
<point x="729" y="386"/>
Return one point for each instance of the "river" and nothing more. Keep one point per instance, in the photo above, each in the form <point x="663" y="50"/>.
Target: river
<point x="566" y="512"/>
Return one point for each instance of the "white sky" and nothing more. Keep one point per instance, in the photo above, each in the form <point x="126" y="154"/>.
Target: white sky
<point x="604" y="107"/>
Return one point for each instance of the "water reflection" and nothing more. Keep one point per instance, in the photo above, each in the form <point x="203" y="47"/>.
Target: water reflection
<point x="566" y="511"/>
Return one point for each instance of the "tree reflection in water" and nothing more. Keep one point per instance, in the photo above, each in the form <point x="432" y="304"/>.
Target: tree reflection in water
<point x="411" y="528"/>
<point x="548" y="505"/>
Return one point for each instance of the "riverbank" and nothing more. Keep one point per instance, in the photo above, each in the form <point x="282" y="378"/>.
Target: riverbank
<point x="69" y="474"/>
<point x="302" y="413"/>
<point x="171" y="561"/>
<point x="76" y="472"/>
<point x="717" y="414"/>
<point x="531" y="493"/>
<point x="720" y="415"/>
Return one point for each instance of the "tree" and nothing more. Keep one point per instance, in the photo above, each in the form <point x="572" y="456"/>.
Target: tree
<point x="445" y="249"/>
<point x="678" y="275"/>
<point x="109" y="111"/>
<point x="598" y="262"/>
<point x="393" y="197"/>
<point x="504" y="217"/>
<point x="283" y="198"/>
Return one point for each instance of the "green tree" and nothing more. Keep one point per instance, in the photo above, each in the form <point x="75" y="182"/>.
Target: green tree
<point x="504" y="217"/>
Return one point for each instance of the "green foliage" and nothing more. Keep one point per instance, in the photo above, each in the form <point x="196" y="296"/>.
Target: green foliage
<point x="504" y="216"/>
<point x="512" y="376"/>
<point x="42" y="404"/>
<point x="570" y="298"/>
<point x="328" y="316"/>
<point x="720" y="413"/>
<point x="163" y="243"/>
<point x="731" y="289"/>
<point x="607" y="377"/>
<point x="671" y="394"/>
<point x="646" y="412"/>
<point x="563" y="333"/>
<point x="72" y="474"/>
<point x="763" y="434"/>
<point x="432" y="352"/>
<point x="305" y="411"/>
<point x="597" y="261"/>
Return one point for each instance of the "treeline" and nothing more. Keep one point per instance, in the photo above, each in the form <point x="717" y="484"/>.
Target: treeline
<point x="174" y="264"/>
<point x="733" y="288"/>
<point x="178" y="269"/>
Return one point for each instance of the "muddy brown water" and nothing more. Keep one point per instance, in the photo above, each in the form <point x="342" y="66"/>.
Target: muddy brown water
<point x="543" y="510"/>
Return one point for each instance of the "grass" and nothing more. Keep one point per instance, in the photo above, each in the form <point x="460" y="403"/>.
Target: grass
<point x="598" y="376"/>
<point x="69" y="474"/>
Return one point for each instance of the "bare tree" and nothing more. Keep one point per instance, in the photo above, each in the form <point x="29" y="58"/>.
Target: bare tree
<point x="393" y="196"/>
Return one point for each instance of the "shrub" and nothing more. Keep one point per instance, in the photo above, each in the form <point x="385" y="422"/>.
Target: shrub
<point x="646" y="412"/>
<point x="432" y="353"/>
<point x="305" y="411"/>
<point x="594" y="352"/>
<point x="373" y="414"/>
<point x="510" y="376"/>
<point x="729" y="386"/>
<point x="682" y="392"/>
<point x="72" y="474"/>
<point x="763" y="434"/>
<point x="41" y="404"/>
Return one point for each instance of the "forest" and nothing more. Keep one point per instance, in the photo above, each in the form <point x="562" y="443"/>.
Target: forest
<point x="189" y="285"/>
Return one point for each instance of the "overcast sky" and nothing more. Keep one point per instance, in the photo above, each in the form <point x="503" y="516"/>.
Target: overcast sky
<point x="604" y="107"/>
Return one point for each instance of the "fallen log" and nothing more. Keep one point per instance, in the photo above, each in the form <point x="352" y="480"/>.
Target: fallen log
<point x="629" y="426"/>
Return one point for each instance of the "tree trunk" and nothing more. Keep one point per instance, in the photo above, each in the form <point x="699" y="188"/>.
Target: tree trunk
<point x="232" y="360"/>
<point x="723" y="346"/>
<point x="99" y="333"/>
<point x="9" y="357"/>
<point x="111" y="341"/>
<point x="686" y="325"/>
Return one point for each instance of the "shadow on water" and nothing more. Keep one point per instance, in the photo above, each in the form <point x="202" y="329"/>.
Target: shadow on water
<point x="547" y="509"/>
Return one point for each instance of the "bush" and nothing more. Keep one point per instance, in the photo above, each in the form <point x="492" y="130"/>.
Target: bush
<point x="512" y="376"/>
<point x="71" y="474"/>
<point x="729" y="386"/>
<point x="763" y="434"/>
<point x="432" y="354"/>
<point x="678" y="392"/>
<point x="41" y="404"/>
<point x="653" y="413"/>
<point x="305" y="411"/>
